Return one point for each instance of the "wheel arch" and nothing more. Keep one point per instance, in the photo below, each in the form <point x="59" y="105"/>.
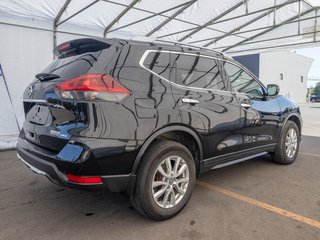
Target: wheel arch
<point x="294" y="117"/>
<point x="167" y="131"/>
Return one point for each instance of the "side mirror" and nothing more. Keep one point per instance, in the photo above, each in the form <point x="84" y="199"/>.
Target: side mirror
<point x="273" y="89"/>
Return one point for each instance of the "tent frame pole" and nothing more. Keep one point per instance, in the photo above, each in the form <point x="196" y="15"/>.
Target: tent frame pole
<point x="114" y="21"/>
<point x="253" y="30"/>
<point x="56" y="21"/>
<point x="157" y="28"/>
<point x="153" y="14"/>
<point x="278" y="46"/>
<point x="270" y="39"/>
<point x="269" y="30"/>
<point x="212" y="21"/>
<point x="248" y="23"/>
<point x="76" y="13"/>
<point x="229" y="19"/>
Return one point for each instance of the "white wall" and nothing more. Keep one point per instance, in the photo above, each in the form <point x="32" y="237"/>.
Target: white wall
<point x="24" y="52"/>
<point x="292" y="66"/>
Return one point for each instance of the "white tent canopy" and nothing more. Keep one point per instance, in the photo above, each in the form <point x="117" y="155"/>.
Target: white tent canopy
<point x="30" y="29"/>
<point x="227" y="25"/>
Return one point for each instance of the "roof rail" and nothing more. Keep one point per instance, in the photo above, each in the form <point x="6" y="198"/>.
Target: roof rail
<point x="190" y="45"/>
<point x="153" y="39"/>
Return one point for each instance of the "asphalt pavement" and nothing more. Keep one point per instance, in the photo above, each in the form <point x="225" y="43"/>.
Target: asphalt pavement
<point x="256" y="199"/>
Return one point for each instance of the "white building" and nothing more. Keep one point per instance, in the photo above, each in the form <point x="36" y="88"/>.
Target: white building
<point x="287" y="69"/>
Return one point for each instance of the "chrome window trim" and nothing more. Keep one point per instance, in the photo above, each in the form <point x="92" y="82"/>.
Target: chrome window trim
<point x="145" y="54"/>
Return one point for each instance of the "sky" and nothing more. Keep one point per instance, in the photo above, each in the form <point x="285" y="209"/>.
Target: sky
<point x="314" y="53"/>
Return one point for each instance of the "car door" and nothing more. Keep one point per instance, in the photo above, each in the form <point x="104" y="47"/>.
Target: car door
<point x="205" y="104"/>
<point x="260" y="114"/>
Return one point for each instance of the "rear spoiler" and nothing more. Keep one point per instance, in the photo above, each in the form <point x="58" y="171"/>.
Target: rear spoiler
<point x="79" y="46"/>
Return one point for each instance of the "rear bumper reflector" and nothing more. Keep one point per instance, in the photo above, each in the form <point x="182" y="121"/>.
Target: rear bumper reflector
<point x="84" y="179"/>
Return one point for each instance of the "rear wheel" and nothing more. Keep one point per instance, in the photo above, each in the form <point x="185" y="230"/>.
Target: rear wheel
<point x="165" y="180"/>
<point x="288" y="146"/>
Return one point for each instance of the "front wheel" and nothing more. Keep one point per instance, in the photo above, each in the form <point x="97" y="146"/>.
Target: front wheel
<point x="165" y="180"/>
<point x="288" y="146"/>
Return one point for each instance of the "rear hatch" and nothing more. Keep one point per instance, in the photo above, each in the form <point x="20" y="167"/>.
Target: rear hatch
<point x="50" y="118"/>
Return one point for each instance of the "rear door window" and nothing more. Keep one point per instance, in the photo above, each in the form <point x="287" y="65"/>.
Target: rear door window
<point x="196" y="72"/>
<point x="159" y="63"/>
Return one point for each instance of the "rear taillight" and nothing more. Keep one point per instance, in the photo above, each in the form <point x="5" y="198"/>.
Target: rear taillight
<point x="92" y="87"/>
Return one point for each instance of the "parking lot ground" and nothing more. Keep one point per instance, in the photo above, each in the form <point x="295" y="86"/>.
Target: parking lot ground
<point x="256" y="199"/>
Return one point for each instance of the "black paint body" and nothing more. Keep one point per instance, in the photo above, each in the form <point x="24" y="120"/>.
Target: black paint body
<point x="108" y="139"/>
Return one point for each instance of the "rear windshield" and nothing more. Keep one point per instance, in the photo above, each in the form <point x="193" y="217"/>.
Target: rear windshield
<point x="71" y="67"/>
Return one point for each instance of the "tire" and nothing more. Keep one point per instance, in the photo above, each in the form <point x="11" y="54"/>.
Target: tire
<point x="313" y="100"/>
<point x="282" y="155"/>
<point x="158" y="154"/>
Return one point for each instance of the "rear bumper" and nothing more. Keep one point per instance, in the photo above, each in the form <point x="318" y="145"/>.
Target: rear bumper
<point x="113" y="183"/>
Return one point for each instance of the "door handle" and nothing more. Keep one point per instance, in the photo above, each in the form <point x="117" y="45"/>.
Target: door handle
<point x="245" y="105"/>
<point x="189" y="100"/>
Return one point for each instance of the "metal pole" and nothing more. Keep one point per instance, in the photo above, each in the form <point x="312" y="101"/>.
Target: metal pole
<point x="299" y="17"/>
<point x="212" y="21"/>
<point x="315" y="25"/>
<point x="158" y="14"/>
<point x="114" y="21"/>
<point x="75" y="14"/>
<point x="278" y="46"/>
<point x="274" y="13"/>
<point x="270" y="39"/>
<point x="10" y="99"/>
<point x="170" y="18"/>
<point x="253" y="30"/>
<point x="244" y="25"/>
<point x="247" y="7"/>
<point x="56" y="20"/>
<point x="228" y="19"/>
<point x="47" y="30"/>
<point x="154" y="14"/>
<point x="268" y="30"/>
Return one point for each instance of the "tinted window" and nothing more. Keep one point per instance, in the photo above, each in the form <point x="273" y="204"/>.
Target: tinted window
<point x="71" y="67"/>
<point x="196" y="71"/>
<point x="241" y="81"/>
<point x="158" y="63"/>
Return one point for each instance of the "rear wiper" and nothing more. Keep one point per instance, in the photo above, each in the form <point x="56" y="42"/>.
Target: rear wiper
<point x="46" y="76"/>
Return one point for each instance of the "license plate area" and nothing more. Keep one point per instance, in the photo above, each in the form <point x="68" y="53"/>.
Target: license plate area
<point x="40" y="115"/>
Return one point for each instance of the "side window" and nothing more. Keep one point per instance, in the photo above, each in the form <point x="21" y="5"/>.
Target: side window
<point x="241" y="81"/>
<point x="196" y="71"/>
<point x="158" y="62"/>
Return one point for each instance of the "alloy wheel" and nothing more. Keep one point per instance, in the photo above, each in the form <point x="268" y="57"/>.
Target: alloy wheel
<point x="291" y="142"/>
<point x="170" y="181"/>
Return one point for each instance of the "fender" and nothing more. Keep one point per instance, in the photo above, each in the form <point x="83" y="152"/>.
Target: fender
<point x="158" y="133"/>
<point x="287" y="118"/>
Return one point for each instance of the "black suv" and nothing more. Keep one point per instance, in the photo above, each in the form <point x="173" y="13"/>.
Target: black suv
<point x="314" y="98"/>
<point x="146" y="118"/>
